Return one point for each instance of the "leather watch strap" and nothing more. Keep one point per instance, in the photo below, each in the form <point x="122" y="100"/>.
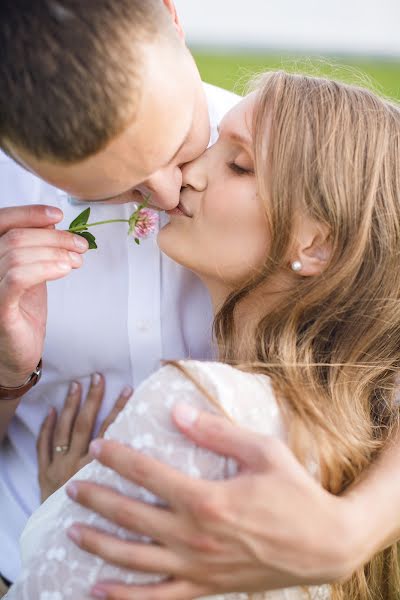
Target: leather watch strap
<point x="14" y="393"/>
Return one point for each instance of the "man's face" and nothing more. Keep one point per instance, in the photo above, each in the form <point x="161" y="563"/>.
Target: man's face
<point x="170" y="128"/>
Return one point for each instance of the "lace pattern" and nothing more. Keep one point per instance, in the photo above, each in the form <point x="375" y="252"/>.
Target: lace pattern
<point x="55" y="569"/>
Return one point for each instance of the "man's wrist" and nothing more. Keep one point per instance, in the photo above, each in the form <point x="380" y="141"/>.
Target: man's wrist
<point x="355" y="537"/>
<point x="374" y="511"/>
<point x="11" y="381"/>
<point x="16" y="387"/>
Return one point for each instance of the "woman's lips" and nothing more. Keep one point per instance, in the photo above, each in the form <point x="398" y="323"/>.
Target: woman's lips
<point x="179" y="210"/>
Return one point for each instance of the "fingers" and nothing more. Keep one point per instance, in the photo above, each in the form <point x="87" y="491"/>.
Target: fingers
<point x="138" y="517"/>
<point x="170" y="590"/>
<point x="164" y="481"/>
<point x="65" y="423"/>
<point x="76" y="423"/>
<point x="118" y="406"/>
<point x="125" y="554"/>
<point x="28" y="216"/>
<point x="28" y="256"/>
<point x="86" y="419"/>
<point x="14" y="239"/>
<point x="45" y="441"/>
<point x="219" y="435"/>
<point x="20" y="279"/>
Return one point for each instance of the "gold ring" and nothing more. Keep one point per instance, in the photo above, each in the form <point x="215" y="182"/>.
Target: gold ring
<point x="61" y="449"/>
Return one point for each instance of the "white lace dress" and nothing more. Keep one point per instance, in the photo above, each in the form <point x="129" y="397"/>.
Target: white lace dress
<point x="55" y="569"/>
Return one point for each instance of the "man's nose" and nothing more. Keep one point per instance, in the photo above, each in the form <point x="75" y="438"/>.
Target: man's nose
<point x="164" y="187"/>
<point x="194" y="174"/>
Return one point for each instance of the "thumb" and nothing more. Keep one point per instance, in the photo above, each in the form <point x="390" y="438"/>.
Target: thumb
<point x="216" y="433"/>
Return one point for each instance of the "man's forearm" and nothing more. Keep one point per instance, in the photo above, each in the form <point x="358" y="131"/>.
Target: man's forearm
<point x="377" y="494"/>
<point x="7" y="411"/>
<point x="10" y="397"/>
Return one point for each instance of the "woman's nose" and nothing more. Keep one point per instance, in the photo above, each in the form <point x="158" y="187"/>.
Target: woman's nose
<point x="194" y="174"/>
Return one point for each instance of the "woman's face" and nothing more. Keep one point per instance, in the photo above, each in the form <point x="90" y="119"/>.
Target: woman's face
<point x="219" y="229"/>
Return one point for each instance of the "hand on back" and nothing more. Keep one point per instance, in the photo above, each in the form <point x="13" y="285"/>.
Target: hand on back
<point x="32" y="252"/>
<point x="272" y="526"/>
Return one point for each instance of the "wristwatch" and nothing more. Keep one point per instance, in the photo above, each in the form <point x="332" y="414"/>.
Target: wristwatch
<point x="14" y="393"/>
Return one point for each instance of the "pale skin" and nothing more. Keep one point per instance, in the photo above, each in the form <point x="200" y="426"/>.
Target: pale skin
<point x="323" y="538"/>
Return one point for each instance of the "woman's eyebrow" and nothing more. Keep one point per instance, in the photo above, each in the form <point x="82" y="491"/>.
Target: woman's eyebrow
<point x="237" y="138"/>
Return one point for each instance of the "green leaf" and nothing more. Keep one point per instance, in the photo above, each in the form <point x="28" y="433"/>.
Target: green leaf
<point x="137" y="241"/>
<point x="81" y="219"/>
<point x="89" y="237"/>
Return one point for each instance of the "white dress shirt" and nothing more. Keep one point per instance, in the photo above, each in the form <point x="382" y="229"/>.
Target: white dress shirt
<point x="127" y="308"/>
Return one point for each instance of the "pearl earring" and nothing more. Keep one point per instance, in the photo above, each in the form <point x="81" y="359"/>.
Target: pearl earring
<point x="296" y="266"/>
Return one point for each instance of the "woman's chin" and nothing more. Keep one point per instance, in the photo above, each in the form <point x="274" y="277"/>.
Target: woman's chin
<point x="175" y="243"/>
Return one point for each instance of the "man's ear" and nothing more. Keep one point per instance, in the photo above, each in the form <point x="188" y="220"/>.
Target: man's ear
<point x="170" y="6"/>
<point x="312" y="248"/>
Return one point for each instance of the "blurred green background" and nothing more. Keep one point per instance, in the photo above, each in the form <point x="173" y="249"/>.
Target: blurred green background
<point x="233" y="70"/>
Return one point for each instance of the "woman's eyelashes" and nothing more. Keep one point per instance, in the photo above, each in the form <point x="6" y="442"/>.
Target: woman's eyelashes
<point x="239" y="170"/>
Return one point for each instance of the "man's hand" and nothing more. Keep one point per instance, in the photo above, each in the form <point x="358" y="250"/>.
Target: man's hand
<point x="63" y="442"/>
<point x="32" y="252"/>
<point x="272" y="526"/>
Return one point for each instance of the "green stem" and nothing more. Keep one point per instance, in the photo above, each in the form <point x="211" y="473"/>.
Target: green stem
<point x="83" y="227"/>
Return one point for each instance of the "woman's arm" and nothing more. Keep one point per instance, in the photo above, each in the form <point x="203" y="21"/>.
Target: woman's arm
<point x="272" y="519"/>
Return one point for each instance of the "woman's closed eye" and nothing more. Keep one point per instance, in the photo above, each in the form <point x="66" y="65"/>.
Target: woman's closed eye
<point x="239" y="170"/>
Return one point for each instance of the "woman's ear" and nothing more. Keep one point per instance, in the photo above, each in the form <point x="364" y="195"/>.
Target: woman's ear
<point x="170" y="6"/>
<point x="312" y="249"/>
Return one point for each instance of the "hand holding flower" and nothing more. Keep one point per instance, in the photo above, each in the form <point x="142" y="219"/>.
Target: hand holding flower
<point x="142" y="223"/>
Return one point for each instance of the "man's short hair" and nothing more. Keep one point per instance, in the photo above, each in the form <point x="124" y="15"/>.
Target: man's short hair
<point x="71" y="72"/>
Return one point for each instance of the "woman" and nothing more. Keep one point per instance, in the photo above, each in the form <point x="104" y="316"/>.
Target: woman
<point x="293" y="222"/>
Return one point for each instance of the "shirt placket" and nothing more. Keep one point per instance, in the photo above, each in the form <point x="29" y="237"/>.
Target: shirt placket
<point x="144" y="308"/>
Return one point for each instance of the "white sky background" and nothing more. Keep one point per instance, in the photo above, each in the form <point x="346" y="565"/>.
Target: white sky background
<point x="344" y="26"/>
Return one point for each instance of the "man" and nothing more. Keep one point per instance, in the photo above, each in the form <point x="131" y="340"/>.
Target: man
<point x="103" y="100"/>
<point x="84" y="65"/>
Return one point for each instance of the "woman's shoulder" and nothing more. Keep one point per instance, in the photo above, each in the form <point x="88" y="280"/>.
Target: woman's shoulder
<point x="248" y="398"/>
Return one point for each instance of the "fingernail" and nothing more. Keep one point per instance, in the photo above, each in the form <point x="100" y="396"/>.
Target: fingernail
<point x="95" y="448"/>
<point x="72" y="490"/>
<point x="185" y="415"/>
<point x="127" y="391"/>
<point x="74" y="534"/>
<point x="80" y="242"/>
<point x="73" y="388"/>
<point x="98" y="592"/>
<point x="53" y="213"/>
<point x="76" y="259"/>
<point x="63" y="266"/>
<point x="96" y="378"/>
<point x="51" y="411"/>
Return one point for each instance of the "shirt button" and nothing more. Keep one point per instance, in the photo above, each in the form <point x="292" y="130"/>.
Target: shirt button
<point x="143" y="325"/>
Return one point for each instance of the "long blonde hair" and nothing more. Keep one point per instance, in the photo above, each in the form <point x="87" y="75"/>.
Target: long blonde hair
<point x="333" y="349"/>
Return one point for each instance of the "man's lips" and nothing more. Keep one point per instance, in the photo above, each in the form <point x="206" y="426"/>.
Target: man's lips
<point x="180" y="210"/>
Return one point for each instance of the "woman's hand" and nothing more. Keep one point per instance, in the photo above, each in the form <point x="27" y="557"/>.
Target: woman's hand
<point x="63" y="442"/>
